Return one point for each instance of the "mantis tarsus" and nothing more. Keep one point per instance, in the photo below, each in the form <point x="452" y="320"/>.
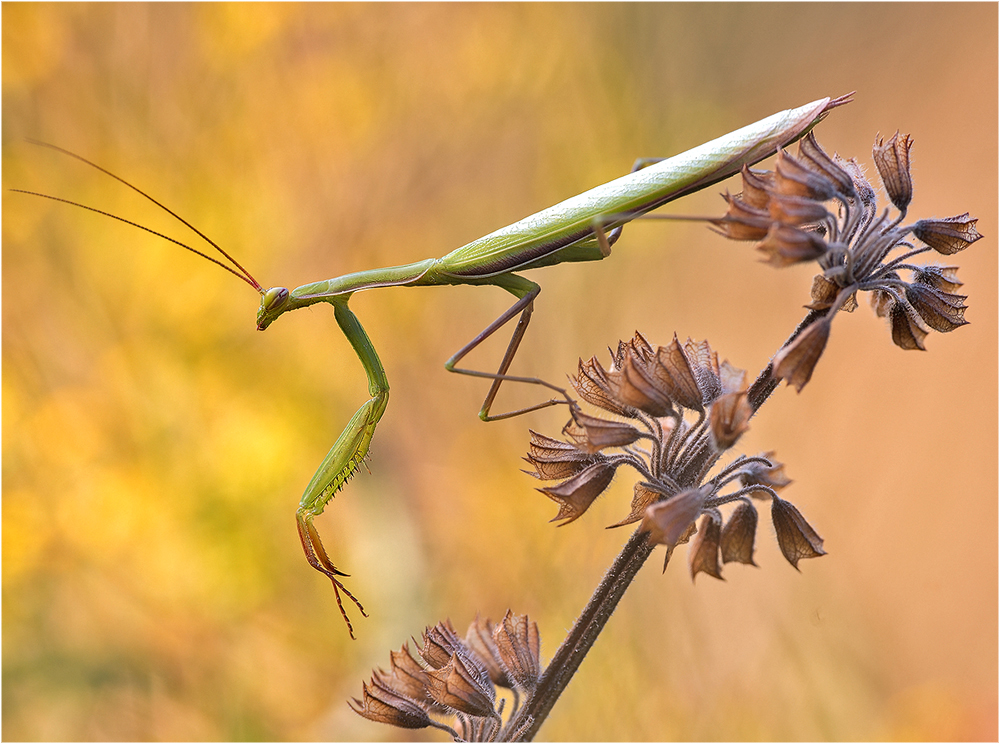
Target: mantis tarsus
<point x="582" y="228"/>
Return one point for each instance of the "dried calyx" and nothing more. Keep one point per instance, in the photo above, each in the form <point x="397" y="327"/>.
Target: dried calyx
<point x="678" y="410"/>
<point x="458" y="678"/>
<point x="786" y="210"/>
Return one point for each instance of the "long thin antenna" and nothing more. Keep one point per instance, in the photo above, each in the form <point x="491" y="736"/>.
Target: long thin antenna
<point x="248" y="279"/>
<point x="242" y="273"/>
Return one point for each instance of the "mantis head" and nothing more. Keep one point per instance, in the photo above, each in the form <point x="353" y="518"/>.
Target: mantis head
<point x="273" y="303"/>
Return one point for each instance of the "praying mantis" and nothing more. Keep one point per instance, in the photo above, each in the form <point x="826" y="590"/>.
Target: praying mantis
<point x="582" y="228"/>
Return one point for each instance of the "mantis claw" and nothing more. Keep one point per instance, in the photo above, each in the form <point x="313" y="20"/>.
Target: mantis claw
<point x="318" y="559"/>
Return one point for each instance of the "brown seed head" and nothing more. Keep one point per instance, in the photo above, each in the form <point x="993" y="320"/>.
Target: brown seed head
<point x="948" y="235"/>
<point x="738" y="535"/>
<point x="892" y="159"/>
<point x="796" y="537"/>
<point x="519" y="645"/>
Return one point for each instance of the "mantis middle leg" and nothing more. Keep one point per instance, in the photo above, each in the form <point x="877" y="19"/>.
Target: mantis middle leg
<point x="526" y="291"/>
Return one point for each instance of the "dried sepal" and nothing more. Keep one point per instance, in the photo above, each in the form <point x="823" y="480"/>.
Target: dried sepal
<point x="756" y="187"/>
<point x="668" y="521"/>
<point x="479" y="638"/>
<point x="464" y="685"/>
<point x="638" y="389"/>
<point x="704" y="552"/>
<point x="643" y="495"/>
<point x="592" y="434"/>
<point x="944" y="278"/>
<point x="474" y="728"/>
<point x="892" y="159"/>
<point x="812" y="156"/>
<point x="908" y="331"/>
<point x="785" y="245"/>
<point x="796" y="178"/>
<point x="575" y="495"/>
<point x="591" y="382"/>
<point x="382" y="704"/>
<point x="554" y="459"/>
<point x="864" y="192"/>
<point x="823" y="292"/>
<point x="729" y="418"/>
<point x="948" y="235"/>
<point x="796" y="537"/>
<point x="690" y="532"/>
<point x="796" y="210"/>
<point x="405" y="674"/>
<point x="518" y="643"/>
<point x="738" y="534"/>
<point x="742" y="221"/>
<point x="797" y="360"/>
<point x="440" y="643"/>
<point x="675" y="371"/>
<point x="704" y="364"/>
<point x="942" y="311"/>
<point x="761" y="474"/>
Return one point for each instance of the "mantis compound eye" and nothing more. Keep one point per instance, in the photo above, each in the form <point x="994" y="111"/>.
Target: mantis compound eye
<point x="273" y="299"/>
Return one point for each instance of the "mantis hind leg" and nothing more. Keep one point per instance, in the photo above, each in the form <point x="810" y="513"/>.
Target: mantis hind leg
<point x="525" y="291"/>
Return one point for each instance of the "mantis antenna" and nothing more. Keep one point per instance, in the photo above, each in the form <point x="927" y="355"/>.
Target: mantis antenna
<point x="239" y="271"/>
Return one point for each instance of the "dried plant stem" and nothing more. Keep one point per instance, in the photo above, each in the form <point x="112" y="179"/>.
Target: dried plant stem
<point x="529" y="719"/>
<point x="581" y="637"/>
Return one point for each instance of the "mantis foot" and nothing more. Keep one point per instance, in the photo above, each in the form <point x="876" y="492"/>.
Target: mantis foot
<point x="318" y="559"/>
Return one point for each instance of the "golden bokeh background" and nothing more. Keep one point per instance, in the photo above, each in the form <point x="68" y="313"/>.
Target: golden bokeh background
<point x="155" y="444"/>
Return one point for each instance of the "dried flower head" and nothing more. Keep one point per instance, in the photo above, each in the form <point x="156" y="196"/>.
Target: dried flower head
<point x="457" y="678"/>
<point x="789" y="211"/>
<point x="682" y="411"/>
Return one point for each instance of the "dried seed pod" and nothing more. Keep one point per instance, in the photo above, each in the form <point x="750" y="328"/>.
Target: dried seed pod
<point x="756" y="187"/>
<point x="796" y="361"/>
<point x="908" y="331"/>
<point x="440" y="643"/>
<point x="742" y="221"/>
<point x="738" y="535"/>
<point x="795" y="178"/>
<point x="636" y="388"/>
<point x="760" y="474"/>
<point x="785" y="245"/>
<point x="667" y="521"/>
<point x="593" y="386"/>
<point x="593" y="434"/>
<point x="406" y="675"/>
<point x="519" y="645"/>
<point x="824" y="292"/>
<point x="554" y="459"/>
<point x="381" y="704"/>
<point x="643" y="495"/>
<point x="812" y="156"/>
<point x="704" y="552"/>
<point x="892" y="159"/>
<point x="942" y="311"/>
<point x="796" y="537"/>
<point x="948" y="235"/>
<point x="944" y="278"/>
<point x="463" y="684"/>
<point x="797" y="210"/>
<point x="479" y="638"/>
<point x="575" y="495"/>
<point x="729" y="418"/>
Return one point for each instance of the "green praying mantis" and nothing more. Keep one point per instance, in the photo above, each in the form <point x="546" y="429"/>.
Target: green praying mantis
<point x="582" y="228"/>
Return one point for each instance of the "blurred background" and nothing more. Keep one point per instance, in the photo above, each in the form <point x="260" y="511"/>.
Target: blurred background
<point x="155" y="444"/>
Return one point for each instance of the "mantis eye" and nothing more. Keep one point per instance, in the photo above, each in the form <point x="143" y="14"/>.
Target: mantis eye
<point x="274" y="298"/>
